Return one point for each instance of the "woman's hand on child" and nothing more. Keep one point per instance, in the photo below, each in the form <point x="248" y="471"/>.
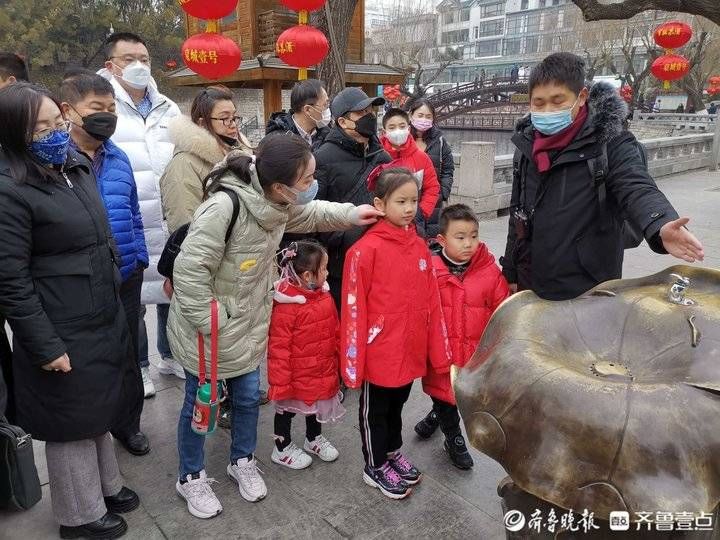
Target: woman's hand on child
<point x="365" y="215"/>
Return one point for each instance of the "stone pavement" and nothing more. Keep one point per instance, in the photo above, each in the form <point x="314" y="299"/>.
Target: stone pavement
<point x="331" y="500"/>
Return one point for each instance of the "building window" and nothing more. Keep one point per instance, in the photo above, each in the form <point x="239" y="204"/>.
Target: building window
<point x="515" y="25"/>
<point x="542" y="3"/>
<point x="524" y="4"/>
<point x="533" y="23"/>
<point x="492" y="10"/>
<point x="465" y="15"/>
<point x="456" y="36"/>
<point x="531" y="44"/>
<point x="491" y="28"/>
<point x="475" y="32"/>
<point x="488" y="48"/>
<point x="512" y="46"/>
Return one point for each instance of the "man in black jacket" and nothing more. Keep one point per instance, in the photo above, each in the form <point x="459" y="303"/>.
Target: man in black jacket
<point x="350" y="152"/>
<point x="309" y="114"/>
<point x="578" y="176"/>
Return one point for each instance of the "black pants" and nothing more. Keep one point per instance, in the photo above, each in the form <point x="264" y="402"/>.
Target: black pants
<point x="127" y="422"/>
<point x="448" y="416"/>
<point x="283" y="422"/>
<point x="381" y="421"/>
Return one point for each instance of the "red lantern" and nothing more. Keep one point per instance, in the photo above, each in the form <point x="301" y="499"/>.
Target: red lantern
<point x="303" y="5"/>
<point x="672" y="35"/>
<point x="715" y="81"/>
<point x="208" y="9"/>
<point x="171" y="64"/>
<point x="670" y="67"/>
<point x="211" y="55"/>
<point x="626" y="92"/>
<point x="302" y="46"/>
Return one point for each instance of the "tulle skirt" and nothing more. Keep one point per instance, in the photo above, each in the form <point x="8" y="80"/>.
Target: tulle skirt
<point x="325" y="410"/>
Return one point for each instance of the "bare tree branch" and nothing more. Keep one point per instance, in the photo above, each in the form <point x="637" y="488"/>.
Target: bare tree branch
<point x="595" y="10"/>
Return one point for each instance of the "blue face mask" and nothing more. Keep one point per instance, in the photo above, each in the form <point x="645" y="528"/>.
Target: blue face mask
<point x="550" y="123"/>
<point x="51" y="149"/>
<point x="303" y="197"/>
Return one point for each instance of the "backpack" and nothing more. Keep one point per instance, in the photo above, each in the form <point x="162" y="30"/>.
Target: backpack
<point x="166" y="264"/>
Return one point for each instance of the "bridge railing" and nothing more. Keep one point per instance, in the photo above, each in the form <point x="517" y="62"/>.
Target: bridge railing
<point x="697" y="122"/>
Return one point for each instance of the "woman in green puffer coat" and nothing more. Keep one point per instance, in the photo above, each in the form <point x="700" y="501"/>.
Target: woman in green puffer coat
<point x="275" y="190"/>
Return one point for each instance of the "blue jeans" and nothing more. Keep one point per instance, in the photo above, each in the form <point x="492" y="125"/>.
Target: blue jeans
<point x="163" y="346"/>
<point x="245" y="402"/>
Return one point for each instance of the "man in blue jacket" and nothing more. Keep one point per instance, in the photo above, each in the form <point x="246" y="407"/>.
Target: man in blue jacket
<point x="89" y="103"/>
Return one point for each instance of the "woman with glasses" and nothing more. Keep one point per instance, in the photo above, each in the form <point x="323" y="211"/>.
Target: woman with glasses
<point x="59" y="291"/>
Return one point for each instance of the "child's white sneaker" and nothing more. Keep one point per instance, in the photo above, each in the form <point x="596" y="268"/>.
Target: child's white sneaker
<point x="246" y="474"/>
<point x="322" y="448"/>
<point x="292" y="456"/>
<point x="200" y="498"/>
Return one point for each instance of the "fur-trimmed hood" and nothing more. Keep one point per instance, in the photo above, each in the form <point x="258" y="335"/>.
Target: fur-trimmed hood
<point x="187" y="136"/>
<point x="608" y="113"/>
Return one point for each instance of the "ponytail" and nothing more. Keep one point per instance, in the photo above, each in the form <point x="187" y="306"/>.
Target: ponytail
<point x="237" y="163"/>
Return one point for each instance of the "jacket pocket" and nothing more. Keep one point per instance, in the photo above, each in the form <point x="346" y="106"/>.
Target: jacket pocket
<point x="600" y="255"/>
<point x="63" y="284"/>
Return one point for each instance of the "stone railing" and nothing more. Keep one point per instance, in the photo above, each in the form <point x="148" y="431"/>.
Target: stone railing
<point x="483" y="180"/>
<point x="700" y="123"/>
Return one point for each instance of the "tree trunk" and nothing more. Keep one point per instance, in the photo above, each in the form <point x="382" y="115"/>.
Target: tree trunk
<point x="332" y="70"/>
<point x="595" y="10"/>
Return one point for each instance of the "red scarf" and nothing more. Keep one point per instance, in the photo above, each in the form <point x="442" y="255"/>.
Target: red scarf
<point x="544" y="143"/>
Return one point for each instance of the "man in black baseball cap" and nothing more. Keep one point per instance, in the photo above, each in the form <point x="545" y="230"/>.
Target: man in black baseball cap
<point x="343" y="162"/>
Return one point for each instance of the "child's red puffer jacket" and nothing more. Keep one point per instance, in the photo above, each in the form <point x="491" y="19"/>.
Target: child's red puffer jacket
<point x="468" y="302"/>
<point x="303" y="345"/>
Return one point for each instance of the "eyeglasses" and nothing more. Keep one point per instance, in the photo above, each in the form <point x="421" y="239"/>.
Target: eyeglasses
<point x="129" y="59"/>
<point x="227" y="122"/>
<point x="40" y="135"/>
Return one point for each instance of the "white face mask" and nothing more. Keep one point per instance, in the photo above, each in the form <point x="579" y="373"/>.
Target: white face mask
<point x="398" y="136"/>
<point x="137" y="75"/>
<point x="325" y="118"/>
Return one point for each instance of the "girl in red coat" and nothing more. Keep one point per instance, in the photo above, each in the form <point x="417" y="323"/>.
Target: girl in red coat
<point x="391" y="323"/>
<point x="303" y="355"/>
<point x="471" y="288"/>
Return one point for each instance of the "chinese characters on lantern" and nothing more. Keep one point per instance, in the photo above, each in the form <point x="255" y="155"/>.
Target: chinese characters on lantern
<point x="283" y="47"/>
<point x="202" y="56"/>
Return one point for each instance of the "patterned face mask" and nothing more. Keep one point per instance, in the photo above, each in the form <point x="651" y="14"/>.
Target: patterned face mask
<point x="51" y="149"/>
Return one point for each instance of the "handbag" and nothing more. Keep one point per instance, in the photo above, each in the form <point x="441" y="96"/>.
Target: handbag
<point x="19" y="482"/>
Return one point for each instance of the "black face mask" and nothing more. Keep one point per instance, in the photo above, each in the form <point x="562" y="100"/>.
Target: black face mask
<point x="100" y="125"/>
<point x="229" y="140"/>
<point x="367" y="125"/>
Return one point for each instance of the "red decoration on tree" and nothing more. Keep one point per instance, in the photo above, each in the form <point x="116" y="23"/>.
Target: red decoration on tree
<point x="670" y="67"/>
<point x="211" y="55"/>
<point x="171" y="64"/>
<point x="208" y="9"/>
<point x="303" y="5"/>
<point x="391" y="92"/>
<point x="672" y="35"/>
<point x="714" y="88"/>
<point x="626" y="92"/>
<point x="302" y="46"/>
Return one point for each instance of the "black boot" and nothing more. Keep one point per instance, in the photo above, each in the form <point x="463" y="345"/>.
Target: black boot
<point x="427" y="426"/>
<point x="107" y="527"/>
<point x="125" y="501"/>
<point x="458" y="452"/>
<point x="137" y="444"/>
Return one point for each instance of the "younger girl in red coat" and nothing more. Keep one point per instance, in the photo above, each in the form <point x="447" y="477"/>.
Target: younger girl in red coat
<point x="471" y="288"/>
<point x="303" y="355"/>
<point x="391" y="323"/>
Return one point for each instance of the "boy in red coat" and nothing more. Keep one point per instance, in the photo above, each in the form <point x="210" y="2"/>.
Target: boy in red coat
<point x="471" y="288"/>
<point x="404" y="152"/>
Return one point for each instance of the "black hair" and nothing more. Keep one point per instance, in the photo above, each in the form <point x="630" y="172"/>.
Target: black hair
<point x="305" y="93"/>
<point x="19" y="107"/>
<point x="393" y="112"/>
<point x="304" y="256"/>
<point x="413" y="106"/>
<point x="390" y="180"/>
<point x="456" y="212"/>
<point x="113" y="40"/>
<point x="12" y="65"/>
<point x="79" y="83"/>
<point x="279" y="158"/>
<point x="560" y="68"/>
<point x="204" y="103"/>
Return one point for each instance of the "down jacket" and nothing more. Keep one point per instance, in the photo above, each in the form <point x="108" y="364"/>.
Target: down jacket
<point x="119" y="193"/>
<point x="146" y="142"/>
<point x="240" y="275"/>
<point x="391" y="320"/>
<point x="468" y="302"/>
<point x="303" y="347"/>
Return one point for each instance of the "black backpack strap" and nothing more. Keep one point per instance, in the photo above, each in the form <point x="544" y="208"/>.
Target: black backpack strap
<point x="598" y="167"/>
<point x="236" y="210"/>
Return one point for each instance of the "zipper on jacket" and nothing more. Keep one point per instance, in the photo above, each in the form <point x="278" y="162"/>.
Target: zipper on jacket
<point x="69" y="183"/>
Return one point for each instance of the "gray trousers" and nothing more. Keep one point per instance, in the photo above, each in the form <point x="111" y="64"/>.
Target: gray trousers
<point x="81" y="473"/>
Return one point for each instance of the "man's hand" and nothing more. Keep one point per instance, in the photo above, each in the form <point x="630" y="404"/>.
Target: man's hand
<point x="59" y="364"/>
<point x="365" y="215"/>
<point x="680" y="242"/>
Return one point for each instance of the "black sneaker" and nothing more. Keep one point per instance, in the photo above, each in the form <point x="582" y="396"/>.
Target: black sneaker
<point x="458" y="452"/>
<point x="428" y="425"/>
<point x="404" y="467"/>
<point x="387" y="480"/>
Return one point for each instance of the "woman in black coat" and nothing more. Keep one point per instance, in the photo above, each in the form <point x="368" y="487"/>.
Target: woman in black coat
<point x="429" y="138"/>
<point x="59" y="288"/>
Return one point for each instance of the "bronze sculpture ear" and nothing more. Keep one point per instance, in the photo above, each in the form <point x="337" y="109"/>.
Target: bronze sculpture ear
<point x="610" y="401"/>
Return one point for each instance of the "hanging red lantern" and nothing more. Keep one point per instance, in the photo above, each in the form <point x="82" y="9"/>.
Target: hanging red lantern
<point x="302" y="46"/>
<point x="672" y="35"/>
<point x="626" y="92"/>
<point x="211" y="55"/>
<point x="208" y="9"/>
<point x="171" y="64"/>
<point x="303" y="5"/>
<point x="670" y="67"/>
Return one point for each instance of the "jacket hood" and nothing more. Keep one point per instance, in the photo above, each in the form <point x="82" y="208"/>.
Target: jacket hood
<point x="338" y="137"/>
<point x="287" y="292"/>
<point x="280" y="121"/>
<point x="607" y="114"/>
<point x="480" y="260"/>
<point x="188" y="137"/>
<point x="405" y="151"/>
